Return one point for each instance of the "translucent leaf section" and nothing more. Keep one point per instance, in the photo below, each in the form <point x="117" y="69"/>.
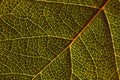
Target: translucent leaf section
<point x="51" y="40"/>
<point x="33" y="34"/>
<point x="60" y="69"/>
<point x="93" y="54"/>
<point x="26" y="57"/>
<point x="113" y="16"/>
<point x="30" y="18"/>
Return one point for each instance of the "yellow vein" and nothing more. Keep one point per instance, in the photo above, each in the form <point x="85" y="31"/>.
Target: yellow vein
<point x="78" y="35"/>
<point x="115" y="55"/>
<point x="33" y="37"/>
<point x="64" y="3"/>
<point x="90" y="56"/>
<point x="71" y="63"/>
<point x="17" y="74"/>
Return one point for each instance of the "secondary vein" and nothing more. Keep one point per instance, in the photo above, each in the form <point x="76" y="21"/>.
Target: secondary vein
<point x="75" y="38"/>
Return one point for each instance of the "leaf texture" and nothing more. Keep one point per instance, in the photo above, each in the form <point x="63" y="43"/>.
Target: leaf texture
<point x="59" y="40"/>
<point x="92" y="3"/>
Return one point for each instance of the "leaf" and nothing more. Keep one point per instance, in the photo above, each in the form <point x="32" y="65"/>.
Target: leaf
<point x="59" y="40"/>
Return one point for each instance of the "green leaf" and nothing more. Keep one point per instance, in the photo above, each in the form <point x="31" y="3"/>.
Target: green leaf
<point x="59" y="40"/>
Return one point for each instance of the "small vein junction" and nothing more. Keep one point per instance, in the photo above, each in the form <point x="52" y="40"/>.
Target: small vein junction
<point x="77" y="36"/>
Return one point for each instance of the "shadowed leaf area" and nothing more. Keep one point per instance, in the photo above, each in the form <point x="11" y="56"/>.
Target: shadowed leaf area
<point x="59" y="40"/>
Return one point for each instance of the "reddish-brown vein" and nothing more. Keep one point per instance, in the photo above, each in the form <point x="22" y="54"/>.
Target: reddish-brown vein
<point x="78" y="35"/>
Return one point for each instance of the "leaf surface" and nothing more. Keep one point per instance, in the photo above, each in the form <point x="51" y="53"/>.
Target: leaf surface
<point x="59" y="40"/>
